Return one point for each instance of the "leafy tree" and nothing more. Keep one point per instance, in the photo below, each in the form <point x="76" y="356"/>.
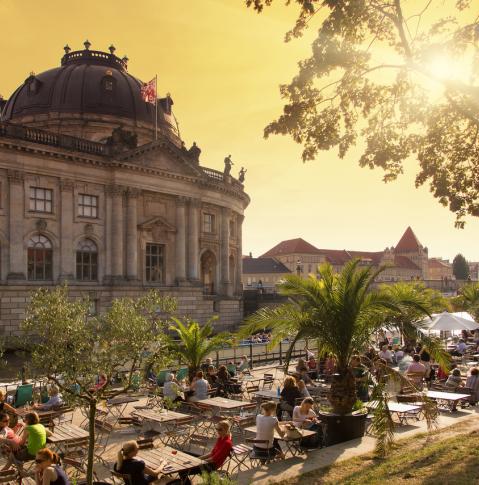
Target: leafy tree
<point x="401" y="77"/>
<point x="460" y="269"/>
<point x="195" y="342"/>
<point x="70" y="348"/>
<point x="342" y="312"/>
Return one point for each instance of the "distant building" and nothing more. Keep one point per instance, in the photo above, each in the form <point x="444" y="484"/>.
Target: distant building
<point x="407" y="261"/>
<point x="262" y="273"/>
<point x="474" y="270"/>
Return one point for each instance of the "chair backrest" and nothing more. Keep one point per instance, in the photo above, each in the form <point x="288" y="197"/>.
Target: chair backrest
<point x="257" y="442"/>
<point x="161" y="377"/>
<point x="124" y="476"/>
<point x="23" y="395"/>
<point x="182" y="374"/>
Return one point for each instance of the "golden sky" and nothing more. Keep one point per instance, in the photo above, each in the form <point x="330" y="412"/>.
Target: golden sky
<point x="222" y="64"/>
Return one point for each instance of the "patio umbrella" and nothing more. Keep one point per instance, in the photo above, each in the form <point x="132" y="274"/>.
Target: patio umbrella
<point x="447" y="321"/>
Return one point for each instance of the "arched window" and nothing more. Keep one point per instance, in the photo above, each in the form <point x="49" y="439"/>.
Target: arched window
<point x="208" y="272"/>
<point x="87" y="260"/>
<point x="40" y="257"/>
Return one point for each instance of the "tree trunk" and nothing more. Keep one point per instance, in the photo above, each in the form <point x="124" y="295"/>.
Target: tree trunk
<point x="342" y="394"/>
<point x="91" y="442"/>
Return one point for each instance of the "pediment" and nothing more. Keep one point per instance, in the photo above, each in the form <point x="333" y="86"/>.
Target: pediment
<point x="156" y="222"/>
<point x="163" y="156"/>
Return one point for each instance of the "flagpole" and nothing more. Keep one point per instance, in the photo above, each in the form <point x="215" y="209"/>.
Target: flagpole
<point x="156" y="107"/>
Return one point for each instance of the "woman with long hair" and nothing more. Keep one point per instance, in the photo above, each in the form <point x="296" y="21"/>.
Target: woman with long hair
<point x="48" y="470"/>
<point x="126" y="463"/>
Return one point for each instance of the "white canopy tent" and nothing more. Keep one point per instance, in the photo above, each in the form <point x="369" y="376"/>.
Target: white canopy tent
<point x="446" y="321"/>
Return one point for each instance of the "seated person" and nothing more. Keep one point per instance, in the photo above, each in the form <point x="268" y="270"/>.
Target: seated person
<point x="302" y="372"/>
<point x="303" y="389"/>
<point x="312" y="367"/>
<point x="7" y="435"/>
<point x="172" y="390"/>
<point x="126" y="463"/>
<point x="206" y="365"/>
<point x="244" y="364"/>
<point x="199" y="387"/>
<point x="34" y="438"/>
<point x="151" y="376"/>
<point x="48" y="470"/>
<point x="222" y="380"/>
<point x="101" y="383"/>
<point x="460" y="349"/>
<point x="386" y="354"/>
<point x="304" y="417"/>
<point x="398" y="353"/>
<point x="266" y="424"/>
<point x="5" y="407"/>
<point x="289" y="394"/>
<point x="216" y="457"/>
<point x="405" y="362"/>
<point x="211" y="375"/>
<point x="416" y="371"/>
<point x="472" y="382"/>
<point x="454" y="380"/>
<point x="231" y="368"/>
<point x="55" y="400"/>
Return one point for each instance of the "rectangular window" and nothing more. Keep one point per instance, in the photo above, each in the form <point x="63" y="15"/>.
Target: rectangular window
<point x="208" y="223"/>
<point x="154" y="263"/>
<point x="41" y="200"/>
<point x="87" y="205"/>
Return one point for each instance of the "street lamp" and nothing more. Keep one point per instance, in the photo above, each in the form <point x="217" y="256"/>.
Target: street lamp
<point x="298" y="268"/>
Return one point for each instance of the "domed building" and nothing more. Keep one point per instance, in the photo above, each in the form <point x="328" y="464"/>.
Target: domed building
<point x="97" y="192"/>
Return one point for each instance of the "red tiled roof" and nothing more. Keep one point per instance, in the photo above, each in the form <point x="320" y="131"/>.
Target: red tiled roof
<point x="436" y="263"/>
<point x="408" y="243"/>
<point x="403" y="262"/>
<point x="292" y="246"/>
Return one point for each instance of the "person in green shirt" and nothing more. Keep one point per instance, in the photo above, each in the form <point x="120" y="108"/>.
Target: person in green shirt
<point x="34" y="439"/>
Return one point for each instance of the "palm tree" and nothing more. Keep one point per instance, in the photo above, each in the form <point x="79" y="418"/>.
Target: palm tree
<point x="468" y="299"/>
<point x="195" y="343"/>
<point x="342" y="312"/>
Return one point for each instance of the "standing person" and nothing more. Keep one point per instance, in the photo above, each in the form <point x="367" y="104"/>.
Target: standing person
<point x="126" y="463"/>
<point x="244" y="364"/>
<point x="426" y="362"/>
<point x="266" y="424"/>
<point x="48" y="470"/>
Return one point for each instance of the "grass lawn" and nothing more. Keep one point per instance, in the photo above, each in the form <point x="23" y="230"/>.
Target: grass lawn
<point x="441" y="460"/>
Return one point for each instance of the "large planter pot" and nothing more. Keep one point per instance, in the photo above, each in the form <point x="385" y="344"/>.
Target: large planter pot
<point x="341" y="428"/>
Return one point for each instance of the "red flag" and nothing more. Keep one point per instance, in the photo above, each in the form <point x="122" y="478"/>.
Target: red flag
<point x="148" y="91"/>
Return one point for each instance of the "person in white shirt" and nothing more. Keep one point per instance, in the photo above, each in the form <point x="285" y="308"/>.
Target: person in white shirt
<point x="303" y="389"/>
<point x="461" y="348"/>
<point x="200" y="388"/>
<point x="386" y="354"/>
<point x="266" y="424"/>
<point x="171" y="390"/>
<point x="304" y="417"/>
<point x="405" y="362"/>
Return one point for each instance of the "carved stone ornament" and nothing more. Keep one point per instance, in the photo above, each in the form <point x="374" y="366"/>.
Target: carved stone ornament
<point x="41" y="224"/>
<point x="88" y="229"/>
<point x="66" y="185"/>
<point x="15" y="176"/>
<point x="158" y="232"/>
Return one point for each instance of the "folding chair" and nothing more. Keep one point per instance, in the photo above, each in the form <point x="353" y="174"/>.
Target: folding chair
<point x="260" y="458"/>
<point x="124" y="477"/>
<point x="177" y="434"/>
<point x="251" y="390"/>
<point x="23" y="394"/>
<point x="197" y="444"/>
<point x="268" y="381"/>
<point x="8" y="476"/>
<point x="237" y="459"/>
<point x="103" y="430"/>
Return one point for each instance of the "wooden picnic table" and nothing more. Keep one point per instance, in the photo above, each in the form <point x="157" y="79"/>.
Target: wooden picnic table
<point x="119" y="400"/>
<point x="292" y="444"/>
<point x="176" y="461"/>
<point x="64" y="433"/>
<point x="163" y="416"/>
<point x="223" y="403"/>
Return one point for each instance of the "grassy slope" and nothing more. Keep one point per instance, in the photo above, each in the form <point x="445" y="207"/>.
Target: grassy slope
<point x="440" y="460"/>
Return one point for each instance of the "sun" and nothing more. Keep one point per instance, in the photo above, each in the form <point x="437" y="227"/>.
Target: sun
<point x="447" y="68"/>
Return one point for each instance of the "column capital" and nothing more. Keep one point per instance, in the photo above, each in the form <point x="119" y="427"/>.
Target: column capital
<point x="115" y="190"/>
<point x="133" y="192"/>
<point x="196" y="203"/>
<point x="66" y="185"/>
<point x="15" y="176"/>
<point x="226" y="212"/>
<point x="181" y="201"/>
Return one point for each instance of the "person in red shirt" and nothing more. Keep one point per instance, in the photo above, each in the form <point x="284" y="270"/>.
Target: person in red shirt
<point x="217" y="455"/>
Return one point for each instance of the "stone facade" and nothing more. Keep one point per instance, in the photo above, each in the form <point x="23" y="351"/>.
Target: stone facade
<point x="114" y="220"/>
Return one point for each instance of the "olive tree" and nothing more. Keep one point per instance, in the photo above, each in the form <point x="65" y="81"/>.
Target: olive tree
<point x="70" y="347"/>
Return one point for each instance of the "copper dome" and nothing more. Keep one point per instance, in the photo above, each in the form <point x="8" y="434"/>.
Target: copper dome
<point x="87" y="82"/>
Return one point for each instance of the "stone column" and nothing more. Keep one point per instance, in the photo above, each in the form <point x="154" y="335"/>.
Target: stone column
<point x="239" y="257"/>
<point x="117" y="233"/>
<point x="180" y="246"/>
<point x="67" y="251"/>
<point x="132" y="234"/>
<point x="108" y="229"/>
<point x="224" y="251"/>
<point x="16" y="216"/>
<point x="193" y="241"/>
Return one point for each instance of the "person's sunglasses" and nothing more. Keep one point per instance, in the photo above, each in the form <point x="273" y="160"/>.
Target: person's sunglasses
<point x="38" y="460"/>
